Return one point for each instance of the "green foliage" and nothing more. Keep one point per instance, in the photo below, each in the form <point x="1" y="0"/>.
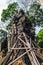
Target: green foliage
<point x="3" y="34"/>
<point x="9" y="25"/>
<point x="39" y="38"/>
<point x="9" y="12"/>
<point x="36" y="14"/>
<point x="27" y="12"/>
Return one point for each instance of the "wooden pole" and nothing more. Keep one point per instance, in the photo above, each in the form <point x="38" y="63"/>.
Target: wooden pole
<point x="30" y="57"/>
<point x="22" y="41"/>
<point x="19" y="48"/>
<point x="0" y="46"/>
<point x="9" y="42"/>
<point x="19" y="57"/>
<point x="32" y="52"/>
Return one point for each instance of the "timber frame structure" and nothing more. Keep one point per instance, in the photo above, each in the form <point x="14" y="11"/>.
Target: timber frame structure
<point x="22" y="43"/>
<point x="28" y="46"/>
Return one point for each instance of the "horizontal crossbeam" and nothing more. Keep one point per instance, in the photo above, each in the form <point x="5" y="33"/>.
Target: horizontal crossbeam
<point x="19" y="48"/>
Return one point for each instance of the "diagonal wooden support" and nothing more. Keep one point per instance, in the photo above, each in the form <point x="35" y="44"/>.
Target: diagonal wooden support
<point x="22" y="41"/>
<point x="29" y="55"/>
<point x="32" y="52"/>
<point x="19" y="57"/>
<point x="28" y="44"/>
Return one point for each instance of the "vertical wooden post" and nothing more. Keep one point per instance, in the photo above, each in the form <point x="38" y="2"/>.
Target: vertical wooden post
<point x="0" y="46"/>
<point x="30" y="41"/>
<point x="13" y="33"/>
<point x="9" y="41"/>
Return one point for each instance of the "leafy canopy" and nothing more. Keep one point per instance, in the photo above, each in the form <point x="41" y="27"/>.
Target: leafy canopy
<point x="9" y="12"/>
<point x="36" y="14"/>
<point x="9" y="25"/>
<point x="39" y="38"/>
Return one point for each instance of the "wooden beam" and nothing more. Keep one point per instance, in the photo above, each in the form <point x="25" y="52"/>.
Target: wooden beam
<point x="29" y="55"/>
<point x="19" y="48"/>
<point x="22" y="41"/>
<point x="19" y="57"/>
<point x="15" y="44"/>
<point x="35" y="61"/>
<point x="28" y="44"/>
<point x="35" y="44"/>
<point x="8" y="56"/>
<point x="39" y="55"/>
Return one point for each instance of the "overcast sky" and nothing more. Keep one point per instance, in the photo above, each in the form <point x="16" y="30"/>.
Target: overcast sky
<point x="3" y="5"/>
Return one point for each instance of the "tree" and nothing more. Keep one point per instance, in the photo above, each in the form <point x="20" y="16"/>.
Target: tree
<point x="9" y="12"/>
<point x="9" y="25"/>
<point x="36" y="14"/>
<point x="3" y="34"/>
<point x="39" y="38"/>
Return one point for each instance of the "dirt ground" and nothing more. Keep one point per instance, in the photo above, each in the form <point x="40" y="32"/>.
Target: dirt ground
<point x="19" y="62"/>
<point x="1" y="58"/>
